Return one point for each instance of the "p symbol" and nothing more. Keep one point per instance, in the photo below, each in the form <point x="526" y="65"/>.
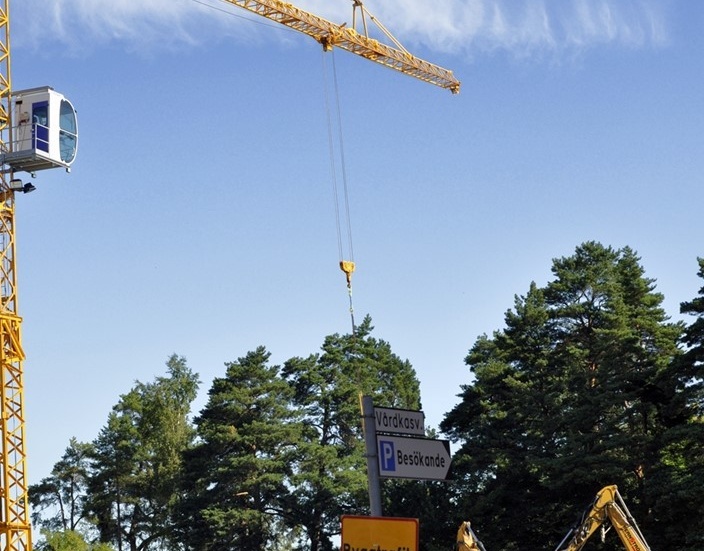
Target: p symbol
<point x="386" y="455"/>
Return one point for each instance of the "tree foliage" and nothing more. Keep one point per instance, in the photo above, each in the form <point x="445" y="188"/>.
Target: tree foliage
<point x="280" y="454"/>
<point x="588" y="384"/>
<point x="677" y="490"/>
<point x="58" y="501"/>
<point x="137" y="460"/>
<point x="330" y="478"/>
<point x="575" y="393"/>
<point x="236" y="475"/>
<point x="68" y="540"/>
<point x="273" y="460"/>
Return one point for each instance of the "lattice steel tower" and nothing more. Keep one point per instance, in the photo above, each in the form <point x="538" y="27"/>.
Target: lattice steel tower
<point x="37" y="131"/>
<point x="15" y="531"/>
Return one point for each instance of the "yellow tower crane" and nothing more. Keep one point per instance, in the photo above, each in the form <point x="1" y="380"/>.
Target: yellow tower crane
<point x="348" y="38"/>
<point x="37" y="131"/>
<point x="14" y="522"/>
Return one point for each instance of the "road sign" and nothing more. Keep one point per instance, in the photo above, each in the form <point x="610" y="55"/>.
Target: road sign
<point x="379" y="533"/>
<point x="399" y="421"/>
<point x="417" y="458"/>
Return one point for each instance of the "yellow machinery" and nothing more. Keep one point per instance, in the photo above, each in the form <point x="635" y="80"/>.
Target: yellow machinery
<point x="14" y="521"/>
<point x="37" y="132"/>
<point x="332" y="35"/>
<point x="608" y="509"/>
<point x="467" y="540"/>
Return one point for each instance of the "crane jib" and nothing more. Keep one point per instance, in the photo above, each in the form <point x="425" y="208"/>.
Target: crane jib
<point x="347" y="38"/>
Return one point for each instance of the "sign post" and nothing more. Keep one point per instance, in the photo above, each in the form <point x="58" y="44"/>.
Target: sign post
<point x="372" y="462"/>
<point x="396" y="448"/>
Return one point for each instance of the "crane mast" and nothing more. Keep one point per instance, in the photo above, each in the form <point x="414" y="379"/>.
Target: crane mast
<point x="15" y="533"/>
<point x="332" y="35"/>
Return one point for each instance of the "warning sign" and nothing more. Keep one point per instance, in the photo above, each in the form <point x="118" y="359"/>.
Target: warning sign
<point x="379" y="534"/>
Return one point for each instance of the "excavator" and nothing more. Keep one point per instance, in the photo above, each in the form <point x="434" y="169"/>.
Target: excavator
<point x="607" y="511"/>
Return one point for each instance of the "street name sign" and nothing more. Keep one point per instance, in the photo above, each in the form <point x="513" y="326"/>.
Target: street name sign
<point x="399" y="421"/>
<point x="379" y="534"/>
<point x="417" y="458"/>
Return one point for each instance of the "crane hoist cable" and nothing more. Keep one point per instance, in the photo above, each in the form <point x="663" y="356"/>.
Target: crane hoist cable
<point x="346" y="262"/>
<point x="331" y="36"/>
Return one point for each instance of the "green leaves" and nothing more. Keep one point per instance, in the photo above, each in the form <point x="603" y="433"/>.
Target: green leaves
<point x="273" y="459"/>
<point x="330" y="476"/>
<point x="588" y="383"/>
<point x="136" y="462"/>
<point x="58" y="501"/>
<point x="280" y="449"/>
<point x="568" y="397"/>
<point x="237" y="471"/>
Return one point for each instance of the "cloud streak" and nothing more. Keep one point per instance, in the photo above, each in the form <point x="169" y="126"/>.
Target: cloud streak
<point x="462" y="27"/>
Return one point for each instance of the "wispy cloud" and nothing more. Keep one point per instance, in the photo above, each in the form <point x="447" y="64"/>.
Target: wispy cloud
<point x="525" y="27"/>
<point x="464" y="27"/>
<point x="132" y="24"/>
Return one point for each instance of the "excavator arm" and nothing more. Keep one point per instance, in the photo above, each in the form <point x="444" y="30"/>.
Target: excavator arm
<point x="607" y="508"/>
<point x="332" y="35"/>
<point x="467" y="540"/>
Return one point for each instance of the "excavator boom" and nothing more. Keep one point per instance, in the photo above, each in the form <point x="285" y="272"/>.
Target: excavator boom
<point x="467" y="540"/>
<point x="608" y="507"/>
<point x="332" y="35"/>
<point x="626" y="529"/>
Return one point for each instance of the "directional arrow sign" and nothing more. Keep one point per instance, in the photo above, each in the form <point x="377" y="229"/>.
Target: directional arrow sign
<point x="418" y="458"/>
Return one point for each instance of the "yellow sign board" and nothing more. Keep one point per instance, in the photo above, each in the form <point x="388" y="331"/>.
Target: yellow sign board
<point x="379" y="534"/>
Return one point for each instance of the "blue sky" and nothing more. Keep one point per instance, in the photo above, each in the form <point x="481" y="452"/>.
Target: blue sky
<point x="199" y="219"/>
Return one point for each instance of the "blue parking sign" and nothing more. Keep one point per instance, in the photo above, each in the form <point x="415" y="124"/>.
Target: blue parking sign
<point x="387" y="455"/>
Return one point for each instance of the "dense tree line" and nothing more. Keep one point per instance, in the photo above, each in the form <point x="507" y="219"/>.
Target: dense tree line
<point x="588" y="384"/>
<point x="272" y="461"/>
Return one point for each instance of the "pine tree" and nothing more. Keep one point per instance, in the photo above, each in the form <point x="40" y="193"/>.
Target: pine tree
<point x="331" y="473"/>
<point x="58" y="501"/>
<point x="236" y="475"/>
<point x="137" y="460"/>
<point x="566" y="399"/>
<point x="677" y="492"/>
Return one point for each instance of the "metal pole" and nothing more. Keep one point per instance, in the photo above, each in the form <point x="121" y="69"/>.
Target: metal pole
<point x="372" y="457"/>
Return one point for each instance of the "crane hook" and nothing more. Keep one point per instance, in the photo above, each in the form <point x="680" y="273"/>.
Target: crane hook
<point x="347" y="266"/>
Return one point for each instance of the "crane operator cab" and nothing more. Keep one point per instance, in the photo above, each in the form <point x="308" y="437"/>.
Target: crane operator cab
<point x="44" y="131"/>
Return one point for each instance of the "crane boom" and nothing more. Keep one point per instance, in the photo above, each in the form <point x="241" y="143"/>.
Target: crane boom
<point x="332" y="35"/>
